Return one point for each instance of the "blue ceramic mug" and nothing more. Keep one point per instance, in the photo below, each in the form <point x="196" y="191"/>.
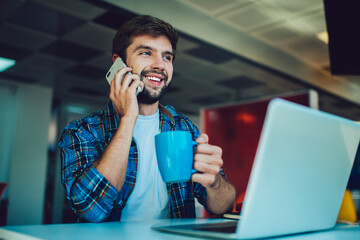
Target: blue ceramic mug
<point x="175" y="155"/>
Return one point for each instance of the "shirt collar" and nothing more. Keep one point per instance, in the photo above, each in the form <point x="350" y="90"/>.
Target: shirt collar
<point x="166" y="112"/>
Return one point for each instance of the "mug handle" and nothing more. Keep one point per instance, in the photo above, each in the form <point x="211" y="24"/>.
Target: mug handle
<point x="194" y="170"/>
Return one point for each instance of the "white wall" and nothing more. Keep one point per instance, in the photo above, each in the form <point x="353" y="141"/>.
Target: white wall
<point x="25" y="111"/>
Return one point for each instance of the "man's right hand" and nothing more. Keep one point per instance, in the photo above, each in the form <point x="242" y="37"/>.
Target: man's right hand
<point x="122" y="95"/>
<point x="113" y="163"/>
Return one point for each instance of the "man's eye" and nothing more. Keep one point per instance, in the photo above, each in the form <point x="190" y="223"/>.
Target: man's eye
<point x="168" y="58"/>
<point x="145" y="53"/>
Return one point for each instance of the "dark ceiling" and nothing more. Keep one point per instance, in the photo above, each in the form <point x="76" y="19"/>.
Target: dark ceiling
<point x="67" y="45"/>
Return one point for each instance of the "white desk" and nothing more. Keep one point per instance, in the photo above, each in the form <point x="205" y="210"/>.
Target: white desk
<point x="142" y="230"/>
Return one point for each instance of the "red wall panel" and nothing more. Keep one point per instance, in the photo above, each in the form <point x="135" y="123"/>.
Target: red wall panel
<point x="237" y="128"/>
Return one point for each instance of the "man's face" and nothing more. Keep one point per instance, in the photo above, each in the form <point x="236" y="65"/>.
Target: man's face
<point x="152" y="59"/>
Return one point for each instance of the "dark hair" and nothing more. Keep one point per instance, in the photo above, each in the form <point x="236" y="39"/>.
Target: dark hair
<point x="142" y="25"/>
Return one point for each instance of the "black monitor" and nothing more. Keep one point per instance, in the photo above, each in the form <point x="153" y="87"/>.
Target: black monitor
<point x="342" y="20"/>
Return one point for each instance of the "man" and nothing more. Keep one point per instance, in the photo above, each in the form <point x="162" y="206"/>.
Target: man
<point x="109" y="166"/>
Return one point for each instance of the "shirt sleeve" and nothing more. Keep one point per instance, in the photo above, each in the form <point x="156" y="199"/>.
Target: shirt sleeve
<point x="90" y="195"/>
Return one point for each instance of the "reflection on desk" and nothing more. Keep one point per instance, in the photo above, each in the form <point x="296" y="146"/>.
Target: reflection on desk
<point x="142" y="230"/>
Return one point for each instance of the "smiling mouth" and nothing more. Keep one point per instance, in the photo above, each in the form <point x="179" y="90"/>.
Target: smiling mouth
<point x="155" y="79"/>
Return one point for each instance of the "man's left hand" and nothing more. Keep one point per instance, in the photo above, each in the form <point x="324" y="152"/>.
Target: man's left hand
<point x="208" y="162"/>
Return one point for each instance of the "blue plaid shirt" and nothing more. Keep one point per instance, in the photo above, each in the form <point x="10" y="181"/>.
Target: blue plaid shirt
<point x="91" y="196"/>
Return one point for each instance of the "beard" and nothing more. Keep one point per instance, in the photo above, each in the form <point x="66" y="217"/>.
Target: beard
<point x="148" y="97"/>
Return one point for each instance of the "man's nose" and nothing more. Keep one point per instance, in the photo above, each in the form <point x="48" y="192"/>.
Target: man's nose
<point x="158" y="63"/>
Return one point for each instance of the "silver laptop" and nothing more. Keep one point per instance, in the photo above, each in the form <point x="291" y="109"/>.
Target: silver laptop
<point x="299" y="176"/>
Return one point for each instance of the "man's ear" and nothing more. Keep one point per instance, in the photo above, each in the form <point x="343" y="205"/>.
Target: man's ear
<point x="114" y="57"/>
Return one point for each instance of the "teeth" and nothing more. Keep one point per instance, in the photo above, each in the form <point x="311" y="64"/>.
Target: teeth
<point x="154" y="79"/>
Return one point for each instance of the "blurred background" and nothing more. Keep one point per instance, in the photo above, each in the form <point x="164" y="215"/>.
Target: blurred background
<point x="56" y="53"/>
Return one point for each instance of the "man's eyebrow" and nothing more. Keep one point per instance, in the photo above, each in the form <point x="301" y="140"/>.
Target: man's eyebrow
<point x="140" y="47"/>
<point x="170" y="53"/>
<point x="143" y="47"/>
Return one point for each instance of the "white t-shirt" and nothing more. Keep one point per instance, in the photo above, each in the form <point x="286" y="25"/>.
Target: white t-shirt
<point x="149" y="198"/>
